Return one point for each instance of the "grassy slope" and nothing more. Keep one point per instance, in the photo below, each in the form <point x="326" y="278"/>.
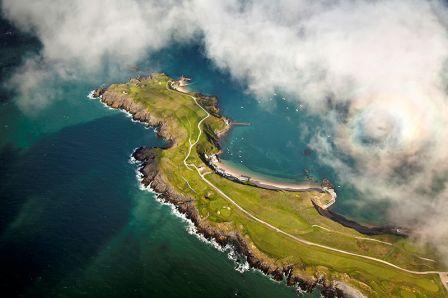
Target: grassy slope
<point x="289" y="211"/>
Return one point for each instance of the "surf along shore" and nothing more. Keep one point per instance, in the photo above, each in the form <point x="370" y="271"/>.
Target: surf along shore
<point x="279" y="231"/>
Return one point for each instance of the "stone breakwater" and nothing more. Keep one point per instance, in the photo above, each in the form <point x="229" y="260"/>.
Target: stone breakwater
<point x="147" y="159"/>
<point x="369" y="231"/>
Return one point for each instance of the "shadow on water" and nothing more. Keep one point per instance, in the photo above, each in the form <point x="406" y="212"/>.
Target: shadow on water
<point x="74" y="224"/>
<point x="9" y="157"/>
<point x="63" y="198"/>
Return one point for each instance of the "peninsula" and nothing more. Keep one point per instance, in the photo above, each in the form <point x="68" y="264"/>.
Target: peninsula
<point x="278" y="229"/>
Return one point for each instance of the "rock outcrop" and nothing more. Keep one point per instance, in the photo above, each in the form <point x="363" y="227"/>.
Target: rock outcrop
<point x="151" y="176"/>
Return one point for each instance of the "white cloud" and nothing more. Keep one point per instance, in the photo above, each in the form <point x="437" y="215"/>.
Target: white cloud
<point x="373" y="70"/>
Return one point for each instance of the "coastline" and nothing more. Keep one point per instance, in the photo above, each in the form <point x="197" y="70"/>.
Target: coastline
<point x="190" y="226"/>
<point x="154" y="176"/>
<point x="232" y="173"/>
<point x="237" y="175"/>
<point x="265" y="182"/>
<point x="150" y="178"/>
<point x="363" y="229"/>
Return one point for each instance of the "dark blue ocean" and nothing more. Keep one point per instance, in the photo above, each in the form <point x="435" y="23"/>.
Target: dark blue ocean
<point x="73" y="221"/>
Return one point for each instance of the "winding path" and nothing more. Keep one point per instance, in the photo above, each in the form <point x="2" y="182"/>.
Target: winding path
<point x="442" y="275"/>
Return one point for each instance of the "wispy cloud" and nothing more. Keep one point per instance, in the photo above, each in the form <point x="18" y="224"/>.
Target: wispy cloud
<point x="373" y="70"/>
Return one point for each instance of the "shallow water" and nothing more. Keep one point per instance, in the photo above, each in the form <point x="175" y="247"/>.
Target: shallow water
<point x="73" y="221"/>
<point x="275" y="145"/>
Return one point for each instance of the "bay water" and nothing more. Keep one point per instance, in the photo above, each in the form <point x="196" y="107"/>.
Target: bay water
<point x="73" y="220"/>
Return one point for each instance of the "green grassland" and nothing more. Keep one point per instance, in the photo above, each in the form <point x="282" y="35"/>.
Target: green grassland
<point x="292" y="212"/>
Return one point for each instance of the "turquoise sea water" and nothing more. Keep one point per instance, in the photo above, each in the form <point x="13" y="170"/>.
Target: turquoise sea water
<point x="73" y="221"/>
<point x="275" y="145"/>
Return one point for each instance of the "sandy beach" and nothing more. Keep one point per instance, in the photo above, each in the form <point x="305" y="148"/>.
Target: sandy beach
<point x="321" y="200"/>
<point x="227" y="169"/>
<point x="265" y="182"/>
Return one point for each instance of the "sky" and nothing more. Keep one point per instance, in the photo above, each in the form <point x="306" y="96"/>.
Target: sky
<point x="374" y="71"/>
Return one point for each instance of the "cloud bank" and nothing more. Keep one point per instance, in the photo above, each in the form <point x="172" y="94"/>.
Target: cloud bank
<point x="373" y="70"/>
<point x="81" y="36"/>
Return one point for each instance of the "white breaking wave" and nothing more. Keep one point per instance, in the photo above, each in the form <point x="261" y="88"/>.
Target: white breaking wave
<point x="374" y="71"/>
<point x="128" y="115"/>
<point x="232" y="254"/>
<point x="90" y="95"/>
<point x="240" y="261"/>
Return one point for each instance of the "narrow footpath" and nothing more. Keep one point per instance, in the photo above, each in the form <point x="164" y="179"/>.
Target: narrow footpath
<point x="443" y="275"/>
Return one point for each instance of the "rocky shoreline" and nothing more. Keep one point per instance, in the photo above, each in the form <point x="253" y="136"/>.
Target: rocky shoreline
<point x="147" y="159"/>
<point x="366" y="230"/>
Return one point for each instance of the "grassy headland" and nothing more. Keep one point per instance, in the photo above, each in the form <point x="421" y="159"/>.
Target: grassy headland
<point x="280" y="229"/>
